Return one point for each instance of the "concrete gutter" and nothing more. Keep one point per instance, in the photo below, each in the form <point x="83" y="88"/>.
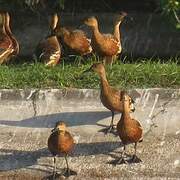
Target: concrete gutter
<point x="26" y="117"/>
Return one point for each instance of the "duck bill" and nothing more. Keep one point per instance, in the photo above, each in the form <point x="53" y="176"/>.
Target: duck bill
<point x="132" y="110"/>
<point x="81" y="26"/>
<point x="54" y="129"/>
<point x="87" y="70"/>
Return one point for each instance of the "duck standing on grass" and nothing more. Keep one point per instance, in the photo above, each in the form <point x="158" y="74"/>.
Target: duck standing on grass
<point x="61" y="142"/>
<point x="75" y="41"/>
<point x="15" y="43"/>
<point x="107" y="46"/>
<point x="128" y="129"/>
<point x="9" y="46"/>
<point x="49" y="50"/>
<point x="109" y="96"/>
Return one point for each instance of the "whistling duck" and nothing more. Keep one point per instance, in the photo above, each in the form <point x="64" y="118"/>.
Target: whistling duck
<point x="106" y="46"/>
<point x="75" y="41"/>
<point x="128" y="129"/>
<point x="61" y="142"/>
<point x="8" y="44"/>
<point x="109" y="96"/>
<point x="9" y="32"/>
<point x="49" y="50"/>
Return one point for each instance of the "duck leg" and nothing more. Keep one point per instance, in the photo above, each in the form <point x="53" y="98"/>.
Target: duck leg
<point x="134" y="158"/>
<point x="68" y="171"/>
<point x="121" y="160"/>
<point x="54" y="170"/>
<point x="111" y="127"/>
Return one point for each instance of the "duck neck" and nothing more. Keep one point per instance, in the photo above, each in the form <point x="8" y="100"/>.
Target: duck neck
<point x="125" y="113"/>
<point x="7" y="25"/>
<point x="96" y="32"/>
<point x="104" y="83"/>
<point x="117" y="33"/>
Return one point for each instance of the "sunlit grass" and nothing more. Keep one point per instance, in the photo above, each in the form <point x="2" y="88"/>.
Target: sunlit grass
<point x="144" y="74"/>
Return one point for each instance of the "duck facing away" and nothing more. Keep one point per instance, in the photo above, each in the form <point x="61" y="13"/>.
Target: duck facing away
<point x="9" y="47"/>
<point x="49" y="50"/>
<point x="109" y="96"/>
<point x="106" y="46"/>
<point x="128" y="129"/>
<point x="74" y="40"/>
<point x="60" y="142"/>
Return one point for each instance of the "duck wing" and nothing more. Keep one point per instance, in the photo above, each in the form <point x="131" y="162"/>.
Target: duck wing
<point x="78" y="41"/>
<point x="48" y="49"/>
<point x="108" y="45"/>
<point x="139" y="126"/>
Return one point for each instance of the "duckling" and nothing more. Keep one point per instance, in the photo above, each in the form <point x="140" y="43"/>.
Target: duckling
<point x="74" y="40"/>
<point x="128" y="129"/>
<point x="49" y="50"/>
<point x="13" y="39"/>
<point x="106" y="46"/>
<point x="6" y="45"/>
<point x="109" y="96"/>
<point x="61" y="142"/>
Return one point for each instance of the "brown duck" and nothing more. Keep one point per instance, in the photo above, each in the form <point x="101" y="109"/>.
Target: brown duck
<point x="8" y="44"/>
<point x="106" y="46"/>
<point x="49" y="50"/>
<point x="60" y="142"/>
<point x="128" y="129"/>
<point x="10" y="34"/>
<point x="74" y="40"/>
<point x="109" y="96"/>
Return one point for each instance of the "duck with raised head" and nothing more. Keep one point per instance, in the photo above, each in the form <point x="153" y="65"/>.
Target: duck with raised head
<point x="10" y="34"/>
<point x="49" y="50"/>
<point x="75" y="41"/>
<point x="110" y="97"/>
<point x="60" y="142"/>
<point x="106" y="46"/>
<point x="6" y="43"/>
<point x="128" y="129"/>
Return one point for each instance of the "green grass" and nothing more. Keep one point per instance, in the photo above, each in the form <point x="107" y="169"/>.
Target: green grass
<point x="144" y="74"/>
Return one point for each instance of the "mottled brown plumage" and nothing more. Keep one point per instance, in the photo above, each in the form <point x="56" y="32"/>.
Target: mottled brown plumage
<point x="109" y="96"/>
<point x="74" y="40"/>
<point x="49" y="50"/>
<point x="60" y="142"/>
<point x="128" y="129"/>
<point x="106" y="46"/>
<point x="9" y="46"/>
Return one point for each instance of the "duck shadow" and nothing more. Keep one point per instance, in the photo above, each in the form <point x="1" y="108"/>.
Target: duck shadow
<point x="71" y="118"/>
<point x="15" y="159"/>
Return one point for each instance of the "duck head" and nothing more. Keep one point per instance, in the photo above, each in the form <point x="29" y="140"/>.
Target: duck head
<point x="98" y="68"/>
<point x="128" y="102"/>
<point x="60" y="126"/>
<point x="91" y="22"/>
<point x="119" y="18"/>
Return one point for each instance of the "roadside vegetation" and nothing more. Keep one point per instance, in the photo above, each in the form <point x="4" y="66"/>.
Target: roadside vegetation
<point x="146" y="73"/>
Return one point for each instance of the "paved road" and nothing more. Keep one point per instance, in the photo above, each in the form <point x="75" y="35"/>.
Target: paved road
<point x="25" y="125"/>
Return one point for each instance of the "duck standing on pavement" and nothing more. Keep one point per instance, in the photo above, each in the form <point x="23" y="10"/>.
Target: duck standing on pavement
<point x="128" y="129"/>
<point x="60" y="142"/>
<point x="110" y="97"/>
